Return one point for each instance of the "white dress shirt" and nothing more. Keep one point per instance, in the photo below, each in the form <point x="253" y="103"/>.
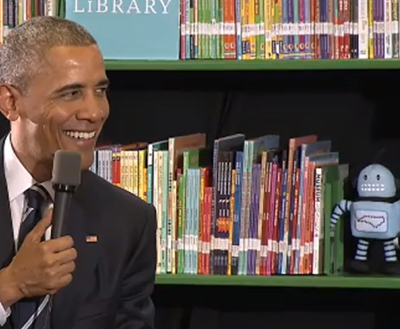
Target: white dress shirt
<point x="18" y="181"/>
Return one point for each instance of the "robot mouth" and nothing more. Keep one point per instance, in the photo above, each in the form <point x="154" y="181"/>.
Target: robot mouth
<point x="372" y="187"/>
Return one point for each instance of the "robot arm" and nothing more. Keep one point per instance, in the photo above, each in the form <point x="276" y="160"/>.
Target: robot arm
<point x="340" y="208"/>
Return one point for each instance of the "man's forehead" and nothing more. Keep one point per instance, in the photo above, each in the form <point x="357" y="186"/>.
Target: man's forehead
<point x="59" y="74"/>
<point x="74" y="56"/>
<point x="68" y="64"/>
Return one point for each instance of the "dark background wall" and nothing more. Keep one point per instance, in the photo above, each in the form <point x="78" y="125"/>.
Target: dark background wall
<point x="356" y="110"/>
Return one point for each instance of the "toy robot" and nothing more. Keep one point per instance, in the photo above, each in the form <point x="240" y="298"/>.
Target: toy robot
<point x="375" y="215"/>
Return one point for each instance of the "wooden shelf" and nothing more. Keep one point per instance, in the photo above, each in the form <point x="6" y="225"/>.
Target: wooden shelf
<point x="253" y="65"/>
<point x="348" y="282"/>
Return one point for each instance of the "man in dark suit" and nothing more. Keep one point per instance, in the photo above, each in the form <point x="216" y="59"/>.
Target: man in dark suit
<point x="53" y="91"/>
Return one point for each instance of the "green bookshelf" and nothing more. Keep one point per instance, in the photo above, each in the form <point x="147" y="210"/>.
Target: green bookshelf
<point x="347" y="282"/>
<point x="253" y="65"/>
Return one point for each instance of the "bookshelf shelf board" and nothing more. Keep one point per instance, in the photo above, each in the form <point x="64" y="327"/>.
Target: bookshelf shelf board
<point x="348" y="282"/>
<point x="251" y="65"/>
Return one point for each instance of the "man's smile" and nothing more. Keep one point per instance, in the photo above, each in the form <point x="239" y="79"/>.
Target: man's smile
<point x="80" y="135"/>
<point x="80" y="139"/>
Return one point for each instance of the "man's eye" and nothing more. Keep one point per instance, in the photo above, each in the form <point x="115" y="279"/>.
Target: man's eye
<point x="71" y="94"/>
<point x="102" y="90"/>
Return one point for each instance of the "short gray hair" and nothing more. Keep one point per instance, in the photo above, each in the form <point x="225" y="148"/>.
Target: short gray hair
<point x="23" y="51"/>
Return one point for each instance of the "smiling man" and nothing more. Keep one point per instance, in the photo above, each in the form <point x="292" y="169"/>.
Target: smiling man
<point x="53" y="91"/>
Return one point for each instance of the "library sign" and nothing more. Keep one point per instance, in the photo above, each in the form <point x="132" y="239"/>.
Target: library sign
<point x="130" y="29"/>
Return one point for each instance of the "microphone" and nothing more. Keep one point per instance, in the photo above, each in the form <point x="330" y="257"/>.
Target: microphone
<point x="65" y="180"/>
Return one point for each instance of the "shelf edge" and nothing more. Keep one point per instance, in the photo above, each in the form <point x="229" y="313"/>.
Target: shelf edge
<point x="253" y="65"/>
<point x="349" y="282"/>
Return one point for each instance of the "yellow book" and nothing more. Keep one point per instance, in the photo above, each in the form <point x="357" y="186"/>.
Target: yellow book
<point x="252" y="30"/>
<point x="268" y="28"/>
<point x="201" y="223"/>
<point x="123" y="170"/>
<point x="21" y="11"/>
<point x="130" y="172"/>
<point x="174" y="226"/>
<point x="371" y="28"/>
<point x="141" y="174"/>
<point x="135" y="168"/>
<point x="145" y="182"/>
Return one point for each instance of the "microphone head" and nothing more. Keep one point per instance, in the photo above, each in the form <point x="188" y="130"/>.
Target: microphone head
<point x="67" y="168"/>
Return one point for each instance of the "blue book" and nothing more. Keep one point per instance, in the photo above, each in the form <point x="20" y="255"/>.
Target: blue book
<point x="130" y="29"/>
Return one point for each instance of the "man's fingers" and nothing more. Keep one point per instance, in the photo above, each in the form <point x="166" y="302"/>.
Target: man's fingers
<point x="58" y="245"/>
<point x="40" y="229"/>
<point x="65" y="280"/>
<point x="66" y="256"/>
<point x="67" y="268"/>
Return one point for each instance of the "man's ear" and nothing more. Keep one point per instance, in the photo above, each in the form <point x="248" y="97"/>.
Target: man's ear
<point x="8" y="102"/>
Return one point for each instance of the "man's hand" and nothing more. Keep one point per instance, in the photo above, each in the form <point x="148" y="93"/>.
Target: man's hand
<point x="39" y="268"/>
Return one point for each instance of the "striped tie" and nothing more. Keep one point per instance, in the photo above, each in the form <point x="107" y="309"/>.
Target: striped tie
<point x="31" y="312"/>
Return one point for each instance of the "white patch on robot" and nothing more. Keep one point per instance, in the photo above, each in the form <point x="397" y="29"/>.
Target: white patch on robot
<point x="371" y="221"/>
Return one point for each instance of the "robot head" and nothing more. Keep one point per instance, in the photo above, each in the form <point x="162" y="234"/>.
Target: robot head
<point x="376" y="180"/>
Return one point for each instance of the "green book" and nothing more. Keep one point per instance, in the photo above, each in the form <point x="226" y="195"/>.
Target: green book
<point x="334" y="178"/>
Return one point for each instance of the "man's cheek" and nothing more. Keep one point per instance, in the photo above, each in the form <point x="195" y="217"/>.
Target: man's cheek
<point x="50" y="136"/>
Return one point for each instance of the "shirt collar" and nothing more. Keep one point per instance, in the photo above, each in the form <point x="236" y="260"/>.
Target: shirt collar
<point x="17" y="177"/>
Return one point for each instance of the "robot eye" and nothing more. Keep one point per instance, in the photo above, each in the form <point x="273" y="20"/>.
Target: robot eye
<point x="365" y="177"/>
<point x="378" y="177"/>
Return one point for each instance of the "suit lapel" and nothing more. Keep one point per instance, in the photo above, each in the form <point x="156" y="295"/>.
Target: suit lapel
<point x="7" y="247"/>
<point x="67" y="302"/>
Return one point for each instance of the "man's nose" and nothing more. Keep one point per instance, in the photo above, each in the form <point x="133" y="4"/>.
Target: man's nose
<point x="93" y="109"/>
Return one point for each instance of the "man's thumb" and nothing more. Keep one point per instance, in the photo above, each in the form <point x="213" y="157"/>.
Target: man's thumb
<point x="40" y="229"/>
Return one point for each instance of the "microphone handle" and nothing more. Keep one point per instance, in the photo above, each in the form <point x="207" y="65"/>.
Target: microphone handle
<point x="62" y="201"/>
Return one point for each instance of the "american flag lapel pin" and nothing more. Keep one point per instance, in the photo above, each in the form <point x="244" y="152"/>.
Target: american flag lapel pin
<point x="91" y="238"/>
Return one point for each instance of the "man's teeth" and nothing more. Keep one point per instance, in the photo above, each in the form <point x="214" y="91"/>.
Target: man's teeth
<point x="80" y="135"/>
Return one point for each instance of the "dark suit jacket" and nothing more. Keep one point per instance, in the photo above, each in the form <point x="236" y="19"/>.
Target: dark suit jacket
<point x="114" y="277"/>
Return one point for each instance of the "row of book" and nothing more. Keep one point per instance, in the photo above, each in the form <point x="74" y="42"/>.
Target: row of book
<point x="289" y="29"/>
<point x="237" y="207"/>
<point x="255" y="29"/>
